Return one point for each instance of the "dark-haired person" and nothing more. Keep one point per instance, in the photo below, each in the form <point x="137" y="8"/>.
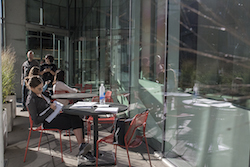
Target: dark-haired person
<point x="35" y="70"/>
<point x="60" y="86"/>
<point x="26" y="66"/>
<point x="48" y="69"/>
<point x="40" y="108"/>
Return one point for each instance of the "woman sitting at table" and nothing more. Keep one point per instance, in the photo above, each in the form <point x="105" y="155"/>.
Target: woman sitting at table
<point x="60" y="87"/>
<point x="40" y="108"/>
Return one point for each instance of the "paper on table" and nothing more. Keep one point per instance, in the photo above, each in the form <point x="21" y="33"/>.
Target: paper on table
<point x="56" y="111"/>
<point x="102" y="105"/>
<point x="82" y="104"/>
<point x="107" y="109"/>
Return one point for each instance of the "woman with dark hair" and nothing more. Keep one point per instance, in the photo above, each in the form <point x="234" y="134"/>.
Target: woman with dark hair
<point x="35" y="71"/>
<point x="40" y="108"/>
<point x="48" y="69"/>
<point x="60" y="87"/>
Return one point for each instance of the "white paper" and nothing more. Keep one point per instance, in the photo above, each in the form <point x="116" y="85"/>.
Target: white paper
<point x="82" y="104"/>
<point x="56" y="111"/>
<point x="102" y="105"/>
<point x="107" y="109"/>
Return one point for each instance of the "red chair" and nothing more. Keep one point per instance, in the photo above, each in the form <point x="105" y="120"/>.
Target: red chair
<point x="40" y="129"/>
<point x="79" y="86"/>
<point x="87" y="87"/>
<point x="108" y="97"/>
<point x="138" y="121"/>
<point x="106" y="120"/>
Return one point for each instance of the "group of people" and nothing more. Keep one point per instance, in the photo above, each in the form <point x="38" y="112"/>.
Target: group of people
<point x="47" y="71"/>
<point x="35" y="81"/>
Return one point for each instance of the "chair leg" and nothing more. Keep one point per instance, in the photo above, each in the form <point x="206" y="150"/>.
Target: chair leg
<point x="27" y="147"/>
<point x="89" y="130"/>
<point x="41" y="134"/>
<point x="70" y="142"/>
<point x="128" y="154"/>
<point x="61" y="145"/>
<point x="147" y="150"/>
<point x="96" y="159"/>
<point x="115" y="146"/>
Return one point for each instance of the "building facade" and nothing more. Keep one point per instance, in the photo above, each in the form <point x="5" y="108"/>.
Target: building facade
<point x="186" y="61"/>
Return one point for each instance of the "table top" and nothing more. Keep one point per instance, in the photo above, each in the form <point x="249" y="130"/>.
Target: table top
<point x="73" y="95"/>
<point x="88" y="111"/>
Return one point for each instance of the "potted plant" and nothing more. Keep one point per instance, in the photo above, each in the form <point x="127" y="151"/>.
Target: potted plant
<point x="8" y="59"/>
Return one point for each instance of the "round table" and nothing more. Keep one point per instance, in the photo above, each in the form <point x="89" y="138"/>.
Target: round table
<point x="75" y="96"/>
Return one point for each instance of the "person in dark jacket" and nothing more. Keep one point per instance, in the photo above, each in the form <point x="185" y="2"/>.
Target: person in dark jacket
<point x="40" y="108"/>
<point x="26" y="66"/>
<point x="48" y="69"/>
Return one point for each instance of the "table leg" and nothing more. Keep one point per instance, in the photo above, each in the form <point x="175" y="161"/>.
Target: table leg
<point x="95" y="119"/>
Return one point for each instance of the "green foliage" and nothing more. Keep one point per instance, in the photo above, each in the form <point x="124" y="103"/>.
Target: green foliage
<point x="188" y="74"/>
<point x="8" y="58"/>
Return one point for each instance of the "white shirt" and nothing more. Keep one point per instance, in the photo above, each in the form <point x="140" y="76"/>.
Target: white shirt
<point x="60" y="86"/>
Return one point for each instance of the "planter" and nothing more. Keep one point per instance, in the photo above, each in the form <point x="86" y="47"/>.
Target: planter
<point x="5" y="128"/>
<point x="13" y="98"/>
<point x="8" y="106"/>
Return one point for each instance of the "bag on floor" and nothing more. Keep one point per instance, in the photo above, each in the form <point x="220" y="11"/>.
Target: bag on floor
<point x="121" y="126"/>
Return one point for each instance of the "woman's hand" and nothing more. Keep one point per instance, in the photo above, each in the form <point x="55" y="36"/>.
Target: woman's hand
<point x="47" y="82"/>
<point x="53" y="106"/>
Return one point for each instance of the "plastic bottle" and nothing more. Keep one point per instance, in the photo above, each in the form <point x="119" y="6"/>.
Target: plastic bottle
<point x="102" y="94"/>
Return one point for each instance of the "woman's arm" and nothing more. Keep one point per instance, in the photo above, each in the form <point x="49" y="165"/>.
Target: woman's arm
<point x="45" y="86"/>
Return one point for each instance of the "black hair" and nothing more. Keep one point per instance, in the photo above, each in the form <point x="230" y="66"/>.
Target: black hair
<point x="34" y="71"/>
<point x="50" y="57"/>
<point x="59" y="76"/>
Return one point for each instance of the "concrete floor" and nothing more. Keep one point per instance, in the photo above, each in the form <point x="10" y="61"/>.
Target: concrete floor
<point x="17" y="140"/>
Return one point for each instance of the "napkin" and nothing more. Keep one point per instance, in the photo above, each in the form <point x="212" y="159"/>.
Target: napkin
<point x="113" y="110"/>
<point x="81" y="104"/>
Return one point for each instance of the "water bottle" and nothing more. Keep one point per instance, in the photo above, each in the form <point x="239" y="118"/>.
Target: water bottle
<point x="102" y="94"/>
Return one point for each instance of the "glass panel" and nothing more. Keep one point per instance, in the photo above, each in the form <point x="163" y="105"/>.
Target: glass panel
<point x="208" y="115"/>
<point x="120" y="51"/>
<point x="55" y="13"/>
<point x="93" y="43"/>
<point x="148" y="58"/>
<point x="33" y="11"/>
<point x="34" y="41"/>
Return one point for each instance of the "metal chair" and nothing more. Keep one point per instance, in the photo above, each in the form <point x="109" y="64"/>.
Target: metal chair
<point x="87" y="87"/>
<point x="79" y="86"/>
<point x="130" y="141"/>
<point x="40" y="129"/>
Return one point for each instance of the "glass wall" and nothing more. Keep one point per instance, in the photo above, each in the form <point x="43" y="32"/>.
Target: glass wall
<point x="209" y="42"/>
<point x="186" y="62"/>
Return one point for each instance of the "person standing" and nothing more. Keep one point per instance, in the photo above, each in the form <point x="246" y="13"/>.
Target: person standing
<point x="26" y="66"/>
<point x="48" y="69"/>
